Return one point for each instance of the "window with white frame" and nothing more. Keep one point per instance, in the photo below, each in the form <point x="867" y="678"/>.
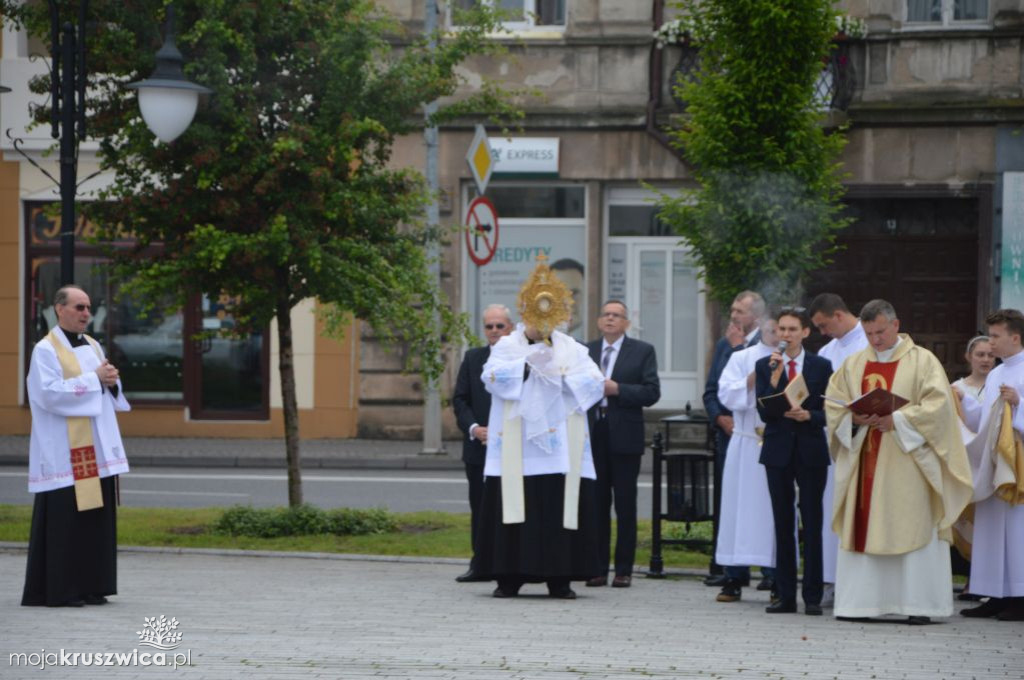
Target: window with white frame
<point x="947" y="12"/>
<point x="518" y="14"/>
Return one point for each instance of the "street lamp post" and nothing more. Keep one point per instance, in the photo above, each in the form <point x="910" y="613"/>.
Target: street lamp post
<point x="168" y="102"/>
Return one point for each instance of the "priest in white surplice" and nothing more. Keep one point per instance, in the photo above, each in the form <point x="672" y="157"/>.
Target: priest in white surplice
<point x="833" y="318"/>
<point x="900" y="480"/>
<point x="997" y="460"/>
<point x="538" y="521"/>
<point x="746" y="527"/>
<point x="73" y="393"/>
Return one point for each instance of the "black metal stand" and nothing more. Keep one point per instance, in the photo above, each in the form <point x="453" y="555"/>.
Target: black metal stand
<point x="690" y="479"/>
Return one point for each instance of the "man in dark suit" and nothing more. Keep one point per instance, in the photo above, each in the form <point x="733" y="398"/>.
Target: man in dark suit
<point x="617" y="434"/>
<point x="795" y="451"/>
<point x="744" y="316"/>
<point x="472" y="404"/>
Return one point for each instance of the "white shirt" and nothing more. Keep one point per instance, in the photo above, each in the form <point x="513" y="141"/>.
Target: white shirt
<point x="612" y="356"/>
<point x="799" y="359"/>
<point x="838" y="349"/>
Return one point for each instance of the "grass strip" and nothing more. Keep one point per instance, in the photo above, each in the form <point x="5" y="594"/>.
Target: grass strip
<point x="419" y="534"/>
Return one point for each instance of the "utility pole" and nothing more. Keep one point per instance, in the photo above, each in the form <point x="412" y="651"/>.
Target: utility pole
<point x="432" y="443"/>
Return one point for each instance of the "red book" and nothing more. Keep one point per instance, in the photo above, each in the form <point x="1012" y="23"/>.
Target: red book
<point x="878" y="402"/>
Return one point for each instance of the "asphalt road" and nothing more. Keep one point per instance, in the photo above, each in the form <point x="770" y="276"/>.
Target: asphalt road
<point x="396" y="490"/>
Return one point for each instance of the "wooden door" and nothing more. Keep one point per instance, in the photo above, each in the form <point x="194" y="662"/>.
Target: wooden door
<point x="922" y="256"/>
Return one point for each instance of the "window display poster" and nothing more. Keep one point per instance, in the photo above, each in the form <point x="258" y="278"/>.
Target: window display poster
<point x="1012" y="265"/>
<point x="498" y="281"/>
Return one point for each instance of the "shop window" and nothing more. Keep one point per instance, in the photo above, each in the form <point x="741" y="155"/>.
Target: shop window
<point x="156" y="352"/>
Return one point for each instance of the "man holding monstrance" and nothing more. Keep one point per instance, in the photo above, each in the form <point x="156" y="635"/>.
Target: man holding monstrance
<point x="537" y="521"/>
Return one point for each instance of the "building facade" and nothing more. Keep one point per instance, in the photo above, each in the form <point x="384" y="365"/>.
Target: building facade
<point x="931" y="101"/>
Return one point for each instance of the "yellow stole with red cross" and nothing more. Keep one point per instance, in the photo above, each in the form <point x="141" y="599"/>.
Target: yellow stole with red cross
<point x="88" y="494"/>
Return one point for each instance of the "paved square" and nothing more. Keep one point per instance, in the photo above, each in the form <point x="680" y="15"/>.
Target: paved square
<point x="280" y="617"/>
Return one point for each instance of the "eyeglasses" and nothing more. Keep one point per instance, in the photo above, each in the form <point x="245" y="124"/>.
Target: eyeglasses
<point x="80" y="307"/>
<point x="614" y="315"/>
<point x="792" y="310"/>
<point x="492" y="326"/>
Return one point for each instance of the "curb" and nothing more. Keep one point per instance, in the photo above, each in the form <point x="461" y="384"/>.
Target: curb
<point x="308" y="463"/>
<point x="14" y="546"/>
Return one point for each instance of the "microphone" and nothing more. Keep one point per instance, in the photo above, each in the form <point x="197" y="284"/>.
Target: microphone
<point x="782" y="348"/>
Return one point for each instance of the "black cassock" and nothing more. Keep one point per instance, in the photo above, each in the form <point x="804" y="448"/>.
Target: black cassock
<point x="539" y="549"/>
<point x="71" y="554"/>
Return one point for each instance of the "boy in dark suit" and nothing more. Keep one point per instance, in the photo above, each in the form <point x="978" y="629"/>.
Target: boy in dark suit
<point x="795" y="450"/>
<point x="472" y="405"/>
<point x="617" y="434"/>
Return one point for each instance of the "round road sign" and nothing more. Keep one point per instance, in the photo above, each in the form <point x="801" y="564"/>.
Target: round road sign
<point x="481" y="230"/>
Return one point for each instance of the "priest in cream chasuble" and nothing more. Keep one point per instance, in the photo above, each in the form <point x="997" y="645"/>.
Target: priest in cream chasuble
<point x="900" y="481"/>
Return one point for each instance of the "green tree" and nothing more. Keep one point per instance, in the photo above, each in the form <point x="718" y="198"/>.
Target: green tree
<point x="281" y="190"/>
<point x="767" y="210"/>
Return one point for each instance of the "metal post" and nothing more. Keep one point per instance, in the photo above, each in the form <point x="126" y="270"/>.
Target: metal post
<point x="432" y="443"/>
<point x="68" y="154"/>
<point x="657" y="566"/>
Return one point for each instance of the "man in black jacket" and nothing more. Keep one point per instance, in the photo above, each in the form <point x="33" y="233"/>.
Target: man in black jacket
<point x="617" y="434"/>
<point x="472" y="404"/>
<point x="795" y="451"/>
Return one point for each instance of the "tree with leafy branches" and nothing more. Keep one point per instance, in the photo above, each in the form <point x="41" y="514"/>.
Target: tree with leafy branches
<point x="768" y="207"/>
<point x="281" y="190"/>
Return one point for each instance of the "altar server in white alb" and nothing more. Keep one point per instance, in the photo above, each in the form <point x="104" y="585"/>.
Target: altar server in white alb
<point x="538" y="520"/>
<point x="746" y="528"/>
<point x="997" y="461"/>
<point x="901" y="480"/>
<point x="75" y="454"/>
<point x="833" y="319"/>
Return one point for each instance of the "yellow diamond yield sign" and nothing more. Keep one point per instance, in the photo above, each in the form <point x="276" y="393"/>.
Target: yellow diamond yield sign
<point x="481" y="159"/>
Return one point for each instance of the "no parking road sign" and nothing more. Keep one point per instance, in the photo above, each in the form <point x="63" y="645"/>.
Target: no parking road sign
<point x="481" y="230"/>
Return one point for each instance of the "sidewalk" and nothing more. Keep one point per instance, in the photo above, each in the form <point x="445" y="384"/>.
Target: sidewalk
<point x="379" y="454"/>
<point x="284" y="617"/>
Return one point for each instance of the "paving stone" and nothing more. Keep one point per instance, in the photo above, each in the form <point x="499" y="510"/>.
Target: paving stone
<point x="280" y="617"/>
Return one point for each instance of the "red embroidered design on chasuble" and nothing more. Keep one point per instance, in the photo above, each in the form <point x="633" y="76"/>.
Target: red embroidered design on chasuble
<point x="876" y="374"/>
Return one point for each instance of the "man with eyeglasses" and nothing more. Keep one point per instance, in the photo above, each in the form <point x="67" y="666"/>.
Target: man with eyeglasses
<point x="75" y="455"/>
<point x="631" y="383"/>
<point x="472" y="404"/>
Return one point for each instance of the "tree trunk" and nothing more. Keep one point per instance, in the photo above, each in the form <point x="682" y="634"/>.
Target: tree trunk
<point x="288" y="400"/>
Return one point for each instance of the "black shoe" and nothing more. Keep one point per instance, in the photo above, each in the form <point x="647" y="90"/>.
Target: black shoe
<point x="716" y="580"/>
<point x="95" y="599"/>
<point x="986" y="609"/>
<point x="812" y="609"/>
<point x="781" y="607"/>
<point x="471" y="576"/>
<point x="502" y="593"/>
<point x="918" y="620"/>
<point x="766" y="584"/>
<point x="853" y="619"/>
<point x="730" y="593"/>
<point x="562" y="593"/>
<point x="1013" y="611"/>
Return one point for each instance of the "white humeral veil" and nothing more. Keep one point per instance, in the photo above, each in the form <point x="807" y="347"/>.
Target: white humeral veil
<point x="543" y="417"/>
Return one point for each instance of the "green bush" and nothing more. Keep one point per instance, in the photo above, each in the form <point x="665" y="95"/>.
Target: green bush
<point x="303" y="520"/>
